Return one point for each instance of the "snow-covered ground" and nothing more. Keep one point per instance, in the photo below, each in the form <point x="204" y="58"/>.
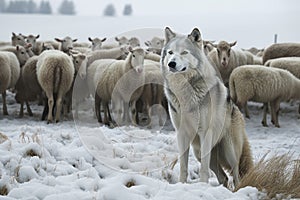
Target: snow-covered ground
<point x="79" y="159"/>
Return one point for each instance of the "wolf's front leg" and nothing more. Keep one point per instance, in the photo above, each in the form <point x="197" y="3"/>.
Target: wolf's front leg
<point x="206" y="147"/>
<point x="183" y="146"/>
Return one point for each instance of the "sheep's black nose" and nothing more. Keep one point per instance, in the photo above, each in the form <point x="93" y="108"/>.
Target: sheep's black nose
<point x="172" y="64"/>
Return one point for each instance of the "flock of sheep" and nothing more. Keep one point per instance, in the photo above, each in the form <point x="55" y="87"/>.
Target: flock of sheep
<point x="125" y="79"/>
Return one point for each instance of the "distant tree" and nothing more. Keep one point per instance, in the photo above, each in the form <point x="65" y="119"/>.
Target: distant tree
<point x="127" y="9"/>
<point x="45" y="7"/>
<point x="67" y="8"/>
<point x="109" y="10"/>
<point x="2" y="6"/>
<point x="31" y="7"/>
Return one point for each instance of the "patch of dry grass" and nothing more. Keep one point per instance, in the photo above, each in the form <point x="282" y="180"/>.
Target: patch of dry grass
<point x="278" y="175"/>
<point x="3" y="191"/>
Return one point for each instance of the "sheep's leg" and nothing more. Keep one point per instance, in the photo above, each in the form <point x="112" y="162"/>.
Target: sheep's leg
<point x="21" y="114"/>
<point x="246" y="111"/>
<point x="29" y="109"/>
<point x="126" y="117"/>
<point x="45" y="111"/>
<point x="134" y="113"/>
<point x="97" y="107"/>
<point x="58" y="106"/>
<point x="264" y="121"/>
<point x="117" y="107"/>
<point x="109" y="115"/>
<point x="275" y="105"/>
<point x="4" y="103"/>
<point x="50" y="107"/>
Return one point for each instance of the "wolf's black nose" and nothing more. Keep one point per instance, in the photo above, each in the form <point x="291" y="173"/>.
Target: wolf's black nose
<point x="172" y="64"/>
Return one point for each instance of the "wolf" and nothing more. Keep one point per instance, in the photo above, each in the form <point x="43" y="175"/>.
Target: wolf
<point x="201" y="111"/>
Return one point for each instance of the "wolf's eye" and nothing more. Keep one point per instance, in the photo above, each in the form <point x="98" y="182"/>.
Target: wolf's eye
<point x="184" y="53"/>
<point x="170" y="52"/>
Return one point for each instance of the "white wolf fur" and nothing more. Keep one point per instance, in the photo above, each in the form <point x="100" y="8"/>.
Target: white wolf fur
<point x="201" y="111"/>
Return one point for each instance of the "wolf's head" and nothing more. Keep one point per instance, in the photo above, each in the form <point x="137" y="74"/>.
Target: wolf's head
<point x="181" y="53"/>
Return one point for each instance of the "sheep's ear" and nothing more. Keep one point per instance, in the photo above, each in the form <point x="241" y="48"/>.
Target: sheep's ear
<point x="117" y="39"/>
<point x="37" y="36"/>
<point x="58" y="40"/>
<point x="74" y="40"/>
<point x="103" y="39"/>
<point x="13" y="34"/>
<point x="90" y="39"/>
<point x="195" y="35"/>
<point x="169" y="34"/>
<point x="17" y="47"/>
<point x="148" y="43"/>
<point x="232" y="43"/>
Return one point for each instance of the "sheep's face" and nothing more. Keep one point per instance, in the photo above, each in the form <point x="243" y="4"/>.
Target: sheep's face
<point x="18" y="39"/>
<point x="137" y="59"/>
<point x="66" y="43"/>
<point x="22" y="54"/>
<point x="31" y="39"/>
<point x="96" y="43"/>
<point x="122" y="40"/>
<point x="134" y="42"/>
<point x="224" y="50"/>
<point x="80" y="62"/>
<point x="155" y="45"/>
<point x="47" y="46"/>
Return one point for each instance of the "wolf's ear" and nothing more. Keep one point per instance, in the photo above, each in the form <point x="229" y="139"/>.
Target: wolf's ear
<point x="195" y="35"/>
<point x="169" y="34"/>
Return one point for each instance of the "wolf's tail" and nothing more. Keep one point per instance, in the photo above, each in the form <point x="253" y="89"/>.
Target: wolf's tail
<point x="246" y="162"/>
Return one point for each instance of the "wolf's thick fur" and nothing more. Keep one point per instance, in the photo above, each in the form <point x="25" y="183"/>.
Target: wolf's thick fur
<point x="201" y="111"/>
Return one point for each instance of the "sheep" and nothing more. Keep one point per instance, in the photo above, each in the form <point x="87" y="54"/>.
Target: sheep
<point x="226" y="59"/>
<point x="155" y="45"/>
<point x="20" y="51"/>
<point x="31" y="39"/>
<point x="254" y="50"/>
<point x="281" y="50"/>
<point x="9" y="74"/>
<point x="78" y="91"/>
<point x="117" y="80"/>
<point x="115" y="53"/>
<point x="29" y="88"/>
<point x="66" y="44"/>
<point x="17" y="39"/>
<point x="208" y="46"/>
<point x="263" y="84"/>
<point x="122" y="40"/>
<point x="47" y="46"/>
<point x="55" y="73"/>
<point x="96" y="43"/>
<point x="134" y="42"/>
<point x="292" y="64"/>
<point x="153" y="92"/>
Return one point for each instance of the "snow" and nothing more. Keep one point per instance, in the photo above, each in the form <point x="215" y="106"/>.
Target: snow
<point x="80" y="159"/>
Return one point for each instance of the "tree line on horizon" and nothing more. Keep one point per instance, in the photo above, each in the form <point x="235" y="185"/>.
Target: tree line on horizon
<point x="67" y="7"/>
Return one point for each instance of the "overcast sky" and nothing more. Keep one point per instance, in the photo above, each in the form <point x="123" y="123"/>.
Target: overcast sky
<point x="183" y="7"/>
